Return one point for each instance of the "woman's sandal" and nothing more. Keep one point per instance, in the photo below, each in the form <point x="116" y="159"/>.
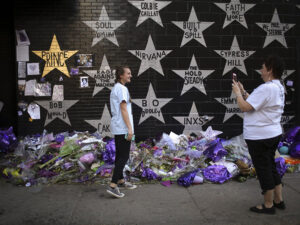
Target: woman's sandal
<point x="264" y="209"/>
<point x="279" y="205"/>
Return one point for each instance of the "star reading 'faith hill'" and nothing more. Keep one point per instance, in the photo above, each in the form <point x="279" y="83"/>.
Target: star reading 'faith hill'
<point x="55" y="58"/>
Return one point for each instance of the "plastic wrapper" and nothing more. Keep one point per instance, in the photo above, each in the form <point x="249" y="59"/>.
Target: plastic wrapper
<point x="230" y="166"/>
<point x="109" y="155"/>
<point x="187" y="179"/>
<point x="294" y="149"/>
<point x="280" y="166"/>
<point x="291" y="136"/>
<point x="215" y="150"/>
<point x="216" y="174"/>
<point x="166" y="141"/>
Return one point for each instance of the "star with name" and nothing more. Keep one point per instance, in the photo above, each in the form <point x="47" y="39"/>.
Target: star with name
<point x="55" y="58"/>
<point x="235" y="11"/>
<point x="150" y="57"/>
<point x="210" y="134"/>
<point x="275" y="30"/>
<point x="57" y="109"/>
<point x="193" y="28"/>
<point x="102" y="125"/>
<point x="231" y="105"/>
<point x="151" y="106"/>
<point x="104" y="77"/>
<point x="149" y="9"/>
<point x="104" y="28"/>
<point x="234" y="57"/>
<point x="193" y="123"/>
<point x="193" y="77"/>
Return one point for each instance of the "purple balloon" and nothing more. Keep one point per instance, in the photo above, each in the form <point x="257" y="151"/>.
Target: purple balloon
<point x="295" y="149"/>
<point x="216" y="174"/>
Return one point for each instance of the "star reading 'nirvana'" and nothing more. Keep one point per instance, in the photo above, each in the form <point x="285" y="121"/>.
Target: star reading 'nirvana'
<point x="150" y="57"/>
<point x="193" y="77"/>
<point x="149" y="9"/>
<point x="231" y="105"/>
<point x="55" y="58"/>
<point x="193" y="29"/>
<point x="151" y="106"/>
<point x="193" y="122"/>
<point x="104" y="28"/>
<point x="234" y="57"/>
<point x="57" y="110"/>
<point x="104" y="77"/>
<point x="275" y="30"/>
<point x="102" y="125"/>
<point x="235" y="11"/>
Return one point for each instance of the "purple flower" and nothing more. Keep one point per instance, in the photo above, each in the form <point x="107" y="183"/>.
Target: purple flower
<point x="215" y="150"/>
<point x="280" y="166"/>
<point x="109" y="155"/>
<point x="149" y="174"/>
<point x="187" y="179"/>
<point x="216" y="174"/>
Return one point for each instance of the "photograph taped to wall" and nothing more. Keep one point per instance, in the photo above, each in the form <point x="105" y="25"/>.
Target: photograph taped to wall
<point x="58" y="93"/>
<point x="22" y="53"/>
<point x="33" y="69"/>
<point x="84" y="60"/>
<point x="84" y="82"/>
<point x="74" y="71"/>
<point x="34" y="111"/>
<point x="21" y="69"/>
<point x="21" y="85"/>
<point x="42" y="89"/>
<point x="29" y="87"/>
<point x="22" y="38"/>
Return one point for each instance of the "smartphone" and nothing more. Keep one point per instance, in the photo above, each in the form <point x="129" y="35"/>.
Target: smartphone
<point x="132" y="139"/>
<point x="234" y="77"/>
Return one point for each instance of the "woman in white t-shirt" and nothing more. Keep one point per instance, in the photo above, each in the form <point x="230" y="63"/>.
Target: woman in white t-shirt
<point x="262" y="130"/>
<point x="122" y="127"/>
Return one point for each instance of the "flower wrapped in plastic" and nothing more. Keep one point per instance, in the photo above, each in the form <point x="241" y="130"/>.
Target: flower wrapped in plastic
<point x="109" y="155"/>
<point x="215" y="150"/>
<point x="187" y="179"/>
<point x="291" y="136"/>
<point x="280" y="166"/>
<point x="87" y="158"/>
<point x="149" y="174"/>
<point x="216" y="174"/>
<point x="166" y="141"/>
<point x="7" y="139"/>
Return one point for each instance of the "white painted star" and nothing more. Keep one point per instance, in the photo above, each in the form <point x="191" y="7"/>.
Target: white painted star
<point x="149" y="9"/>
<point x="193" y="122"/>
<point x="193" y="29"/>
<point x="104" y="77"/>
<point x="234" y="57"/>
<point x="102" y="125"/>
<point x="231" y="105"/>
<point x="235" y="11"/>
<point x="150" y="57"/>
<point x="275" y="30"/>
<point x="285" y="119"/>
<point x="151" y="105"/>
<point x="285" y="74"/>
<point x="104" y="28"/>
<point x="193" y="77"/>
<point x="57" y="109"/>
<point x="210" y="134"/>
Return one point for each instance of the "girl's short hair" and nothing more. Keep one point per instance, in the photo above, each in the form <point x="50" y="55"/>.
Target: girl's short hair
<point x="120" y="70"/>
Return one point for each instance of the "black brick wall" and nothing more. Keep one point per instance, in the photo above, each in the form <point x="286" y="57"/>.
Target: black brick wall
<point x="43" y="19"/>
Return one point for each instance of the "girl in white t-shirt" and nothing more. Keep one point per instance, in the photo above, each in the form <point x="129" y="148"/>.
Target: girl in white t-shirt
<point x="262" y="130"/>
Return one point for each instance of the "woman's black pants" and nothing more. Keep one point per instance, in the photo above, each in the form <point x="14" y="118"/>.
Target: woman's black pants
<point x="122" y="155"/>
<point x="262" y="153"/>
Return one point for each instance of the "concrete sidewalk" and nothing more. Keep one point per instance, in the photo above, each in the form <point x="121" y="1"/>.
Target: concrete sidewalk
<point x="149" y="204"/>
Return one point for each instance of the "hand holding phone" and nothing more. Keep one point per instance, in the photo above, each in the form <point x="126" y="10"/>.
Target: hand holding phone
<point x="132" y="139"/>
<point x="234" y="77"/>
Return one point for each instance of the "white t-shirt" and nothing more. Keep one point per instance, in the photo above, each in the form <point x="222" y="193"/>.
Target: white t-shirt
<point x="118" y="94"/>
<point x="264" y="121"/>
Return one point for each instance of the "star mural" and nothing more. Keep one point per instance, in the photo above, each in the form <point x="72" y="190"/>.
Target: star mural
<point x="149" y="9"/>
<point x="234" y="57"/>
<point x="235" y="11"/>
<point x="104" y="77"/>
<point x="56" y="109"/>
<point x="102" y="125"/>
<point x="193" y="123"/>
<point x="104" y="28"/>
<point x="151" y="105"/>
<point x="285" y="74"/>
<point x="150" y="57"/>
<point x="193" y="28"/>
<point x="55" y="58"/>
<point x="193" y="77"/>
<point x="275" y="30"/>
<point x="231" y="105"/>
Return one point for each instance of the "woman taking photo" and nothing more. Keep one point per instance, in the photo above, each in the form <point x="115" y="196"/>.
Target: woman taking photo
<point x="262" y="130"/>
<point x="122" y="128"/>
